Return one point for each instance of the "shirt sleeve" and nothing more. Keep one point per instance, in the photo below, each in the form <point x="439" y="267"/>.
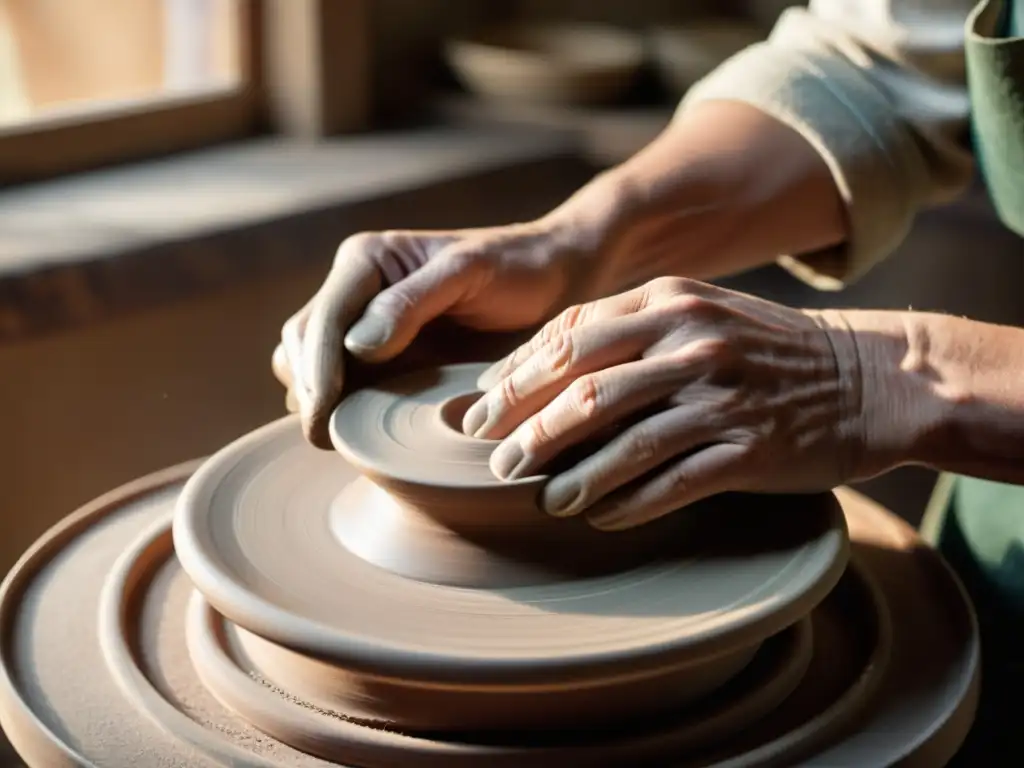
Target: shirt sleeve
<point x="879" y="88"/>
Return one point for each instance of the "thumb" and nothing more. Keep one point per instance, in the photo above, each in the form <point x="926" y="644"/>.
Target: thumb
<point x="353" y="280"/>
<point x="395" y="316"/>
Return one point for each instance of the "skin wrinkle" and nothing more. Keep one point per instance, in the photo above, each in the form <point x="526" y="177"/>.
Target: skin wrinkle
<point x="768" y="382"/>
<point x="852" y="370"/>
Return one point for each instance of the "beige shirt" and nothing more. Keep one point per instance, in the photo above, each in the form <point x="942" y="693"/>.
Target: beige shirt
<point x="879" y="88"/>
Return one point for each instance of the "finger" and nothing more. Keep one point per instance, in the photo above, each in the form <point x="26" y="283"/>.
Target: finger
<point x="575" y="316"/>
<point x="640" y="449"/>
<point x="589" y="404"/>
<point x="395" y="316"/>
<point x="546" y="373"/>
<point x="283" y="373"/>
<point x="708" y="472"/>
<point x="289" y="369"/>
<point x="354" y="279"/>
<point x="279" y="364"/>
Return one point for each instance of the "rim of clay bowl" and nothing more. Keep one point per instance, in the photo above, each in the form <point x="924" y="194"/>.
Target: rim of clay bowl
<point x="366" y="464"/>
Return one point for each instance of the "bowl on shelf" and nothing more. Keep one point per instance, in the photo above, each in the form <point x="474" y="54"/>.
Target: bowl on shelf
<point x="550" y="63"/>
<point x="685" y="54"/>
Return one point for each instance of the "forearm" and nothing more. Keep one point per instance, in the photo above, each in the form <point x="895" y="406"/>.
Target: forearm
<point x="817" y="147"/>
<point x="723" y="189"/>
<point x="939" y="391"/>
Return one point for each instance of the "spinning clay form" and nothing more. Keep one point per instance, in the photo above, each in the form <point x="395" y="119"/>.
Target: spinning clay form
<point x="393" y="604"/>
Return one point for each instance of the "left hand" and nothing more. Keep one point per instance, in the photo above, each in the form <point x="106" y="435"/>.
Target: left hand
<point x="710" y="391"/>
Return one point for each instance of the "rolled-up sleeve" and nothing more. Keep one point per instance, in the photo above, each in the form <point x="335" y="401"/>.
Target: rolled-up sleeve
<point x="879" y="88"/>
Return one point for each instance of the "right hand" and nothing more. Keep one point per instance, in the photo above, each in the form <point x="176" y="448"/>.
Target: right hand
<point x="383" y="288"/>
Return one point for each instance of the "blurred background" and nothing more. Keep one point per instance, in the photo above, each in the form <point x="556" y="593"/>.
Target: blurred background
<point x="176" y="174"/>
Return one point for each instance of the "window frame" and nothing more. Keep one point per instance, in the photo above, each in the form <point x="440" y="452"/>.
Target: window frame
<point x="304" y="72"/>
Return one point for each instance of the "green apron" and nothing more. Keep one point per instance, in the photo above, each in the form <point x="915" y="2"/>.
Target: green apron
<point x="979" y="525"/>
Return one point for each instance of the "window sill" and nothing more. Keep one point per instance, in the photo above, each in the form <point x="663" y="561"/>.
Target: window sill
<point x="85" y="248"/>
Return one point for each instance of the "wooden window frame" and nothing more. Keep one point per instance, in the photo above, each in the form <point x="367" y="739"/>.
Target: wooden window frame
<point x="305" y="73"/>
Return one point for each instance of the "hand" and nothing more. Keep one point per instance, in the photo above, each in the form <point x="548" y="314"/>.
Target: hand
<point x="385" y="287"/>
<point x="708" y="391"/>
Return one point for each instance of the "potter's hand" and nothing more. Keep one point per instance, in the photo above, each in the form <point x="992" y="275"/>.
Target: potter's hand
<point x="384" y="287"/>
<point x="706" y="390"/>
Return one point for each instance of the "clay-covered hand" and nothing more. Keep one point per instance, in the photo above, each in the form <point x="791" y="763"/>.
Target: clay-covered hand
<point x="384" y="287"/>
<point x="693" y="390"/>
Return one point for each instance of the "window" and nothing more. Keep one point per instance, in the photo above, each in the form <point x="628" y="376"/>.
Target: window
<point x="92" y="82"/>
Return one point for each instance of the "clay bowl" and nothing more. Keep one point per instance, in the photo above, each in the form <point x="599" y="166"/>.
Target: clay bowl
<point x="685" y="54"/>
<point x="556" y="64"/>
<point x="448" y="518"/>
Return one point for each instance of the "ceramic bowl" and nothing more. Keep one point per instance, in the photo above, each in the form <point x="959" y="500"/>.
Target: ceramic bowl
<point x="405" y="437"/>
<point x="685" y="54"/>
<point x="547" y="63"/>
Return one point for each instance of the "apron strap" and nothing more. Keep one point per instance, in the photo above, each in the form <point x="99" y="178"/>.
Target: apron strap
<point x="995" y="76"/>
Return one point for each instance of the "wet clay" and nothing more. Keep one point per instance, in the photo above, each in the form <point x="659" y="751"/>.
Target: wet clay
<point x="281" y="630"/>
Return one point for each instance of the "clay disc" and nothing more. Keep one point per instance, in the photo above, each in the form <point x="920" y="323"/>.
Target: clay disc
<point x="89" y="678"/>
<point x="255" y="532"/>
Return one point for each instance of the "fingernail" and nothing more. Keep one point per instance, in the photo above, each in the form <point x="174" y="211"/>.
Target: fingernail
<point x="370" y="332"/>
<point x="508" y="460"/>
<point x="475" y="418"/>
<point x="561" y="499"/>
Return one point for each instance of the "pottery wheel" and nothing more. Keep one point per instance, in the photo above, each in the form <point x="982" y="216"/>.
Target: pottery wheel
<point x="265" y="533"/>
<point x="273" y="639"/>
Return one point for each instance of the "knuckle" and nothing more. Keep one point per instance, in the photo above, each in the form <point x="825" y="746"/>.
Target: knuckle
<point x="692" y="305"/>
<point x="560" y="354"/>
<point x="535" y="435"/>
<point x="661" y="287"/>
<point x="514" y="360"/>
<point x="642" y="446"/>
<point x="572" y="317"/>
<point x="281" y="366"/>
<point x="507" y="394"/>
<point x="583" y="396"/>
<point x="393" y="302"/>
<point x="711" y="350"/>
<point x="388" y="238"/>
<point x="359" y="244"/>
<point x="464" y="259"/>
<point x="544" y="336"/>
<point x="292" y="328"/>
<point x="677" y="482"/>
<point x="470" y="263"/>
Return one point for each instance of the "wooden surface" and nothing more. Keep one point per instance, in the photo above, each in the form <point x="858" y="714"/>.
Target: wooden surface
<point x="81" y="250"/>
<point x="316" y="60"/>
<point x="605" y="136"/>
<point x="154" y="345"/>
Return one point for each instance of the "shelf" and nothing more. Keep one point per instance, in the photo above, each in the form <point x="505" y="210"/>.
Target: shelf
<point x="606" y="136"/>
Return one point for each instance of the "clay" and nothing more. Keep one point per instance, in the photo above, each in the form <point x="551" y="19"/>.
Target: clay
<point x="549" y="652"/>
<point x="267" y="641"/>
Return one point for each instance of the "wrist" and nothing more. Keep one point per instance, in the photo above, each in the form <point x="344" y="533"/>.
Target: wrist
<point x="592" y="227"/>
<point x="891" y="415"/>
<point x="974" y="371"/>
